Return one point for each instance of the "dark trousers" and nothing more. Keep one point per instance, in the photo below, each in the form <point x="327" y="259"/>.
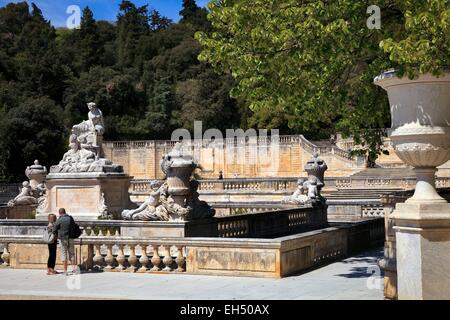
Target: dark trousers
<point x="51" y="255"/>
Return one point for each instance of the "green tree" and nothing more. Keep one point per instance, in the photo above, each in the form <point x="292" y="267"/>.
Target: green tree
<point x="194" y="15"/>
<point x="425" y="46"/>
<point x="90" y="47"/>
<point x="140" y="71"/>
<point x="32" y="130"/>
<point x="314" y="62"/>
<point x="132" y="24"/>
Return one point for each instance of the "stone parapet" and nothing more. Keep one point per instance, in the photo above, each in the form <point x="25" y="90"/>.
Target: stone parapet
<point x="275" y="257"/>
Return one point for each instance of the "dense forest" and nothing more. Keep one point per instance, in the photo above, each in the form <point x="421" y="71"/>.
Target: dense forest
<point x="141" y="70"/>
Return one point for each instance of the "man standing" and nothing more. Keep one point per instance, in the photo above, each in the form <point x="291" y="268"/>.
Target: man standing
<point x="66" y="244"/>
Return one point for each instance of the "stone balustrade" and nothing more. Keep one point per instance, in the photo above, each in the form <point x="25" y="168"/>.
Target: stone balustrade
<point x="115" y="253"/>
<point x="141" y="186"/>
<point x="269" y="223"/>
<point x="261" y="257"/>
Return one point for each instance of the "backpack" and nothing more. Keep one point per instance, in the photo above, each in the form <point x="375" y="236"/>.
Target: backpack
<point x="74" y="229"/>
<point x="48" y="236"/>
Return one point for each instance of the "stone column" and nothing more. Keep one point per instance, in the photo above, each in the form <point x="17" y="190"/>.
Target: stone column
<point x="420" y="111"/>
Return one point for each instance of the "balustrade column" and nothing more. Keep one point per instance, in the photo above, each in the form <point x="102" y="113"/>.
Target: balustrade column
<point x="121" y="259"/>
<point x="109" y="259"/>
<point x="180" y="259"/>
<point x="132" y="259"/>
<point x="167" y="260"/>
<point x="5" y="256"/>
<point x="156" y="260"/>
<point x="143" y="260"/>
<point x="98" y="258"/>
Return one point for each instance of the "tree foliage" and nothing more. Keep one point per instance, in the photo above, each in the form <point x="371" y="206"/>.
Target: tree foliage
<point x="141" y="71"/>
<point x="312" y="63"/>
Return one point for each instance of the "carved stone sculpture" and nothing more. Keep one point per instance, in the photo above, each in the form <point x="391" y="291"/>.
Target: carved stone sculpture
<point x="148" y="210"/>
<point x="177" y="198"/>
<point x="90" y="132"/>
<point x="82" y="159"/>
<point x="42" y="197"/>
<point x="298" y="197"/>
<point x="199" y="209"/>
<point x="33" y="191"/>
<point x="315" y="168"/>
<point x="36" y="173"/>
<point x="25" y="197"/>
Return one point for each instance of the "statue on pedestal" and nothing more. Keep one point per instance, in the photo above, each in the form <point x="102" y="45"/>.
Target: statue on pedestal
<point x="315" y="168"/>
<point x="85" y="145"/>
<point x="90" y="132"/>
<point x="32" y="191"/>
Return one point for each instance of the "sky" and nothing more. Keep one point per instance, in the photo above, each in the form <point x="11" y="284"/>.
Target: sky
<point x="56" y="10"/>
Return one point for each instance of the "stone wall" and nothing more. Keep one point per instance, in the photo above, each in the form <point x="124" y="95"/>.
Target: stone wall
<point x="140" y="159"/>
<point x="18" y="212"/>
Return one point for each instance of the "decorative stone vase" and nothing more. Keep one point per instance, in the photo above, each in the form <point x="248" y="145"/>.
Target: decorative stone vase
<point x="420" y="111"/>
<point x="178" y="169"/>
<point x="36" y="173"/>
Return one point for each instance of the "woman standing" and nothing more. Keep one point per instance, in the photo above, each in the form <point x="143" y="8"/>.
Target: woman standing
<point x="51" y="240"/>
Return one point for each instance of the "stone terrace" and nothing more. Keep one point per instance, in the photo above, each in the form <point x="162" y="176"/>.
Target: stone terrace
<point x="342" y="280"/>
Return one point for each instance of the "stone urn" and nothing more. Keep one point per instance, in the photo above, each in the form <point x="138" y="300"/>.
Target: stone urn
<point x="315" y="168"/>
<point x="420" y="111"/>
<point x="178" y="168"/>
<point x="36" y="173"/>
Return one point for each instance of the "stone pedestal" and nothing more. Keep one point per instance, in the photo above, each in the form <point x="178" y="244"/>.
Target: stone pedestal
<point x="169" y="229"/>
<point x="86" y="195"/>
<point x="423" y="250"/>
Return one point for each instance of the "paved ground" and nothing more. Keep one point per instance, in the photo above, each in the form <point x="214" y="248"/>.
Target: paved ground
<point x="350" y="279"/>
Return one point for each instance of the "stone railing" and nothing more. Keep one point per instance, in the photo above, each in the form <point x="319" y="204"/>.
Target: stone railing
<point x="406" y="183"/>
<point x="115" y="253"/>
<point x="142" y="186"/>
<point x="259" y="140"/>
<point x="265" y="257"/>
<point x="273" y="223"/>
<point x="258" y="224"/>
<point x="139" y="144"/>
